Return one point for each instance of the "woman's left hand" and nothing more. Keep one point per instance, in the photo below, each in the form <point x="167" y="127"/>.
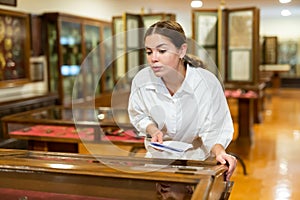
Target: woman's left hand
<point x="224" y="159"/>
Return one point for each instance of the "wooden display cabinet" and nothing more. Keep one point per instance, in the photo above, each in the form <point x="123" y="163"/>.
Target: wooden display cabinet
<point x="30" y="174"/>
<point x="15" y="48"/>
<point x="231" y="38"/>
<point x="75" y="57"/>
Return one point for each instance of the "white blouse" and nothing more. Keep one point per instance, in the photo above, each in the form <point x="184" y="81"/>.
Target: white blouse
<point x="198" y="109"/>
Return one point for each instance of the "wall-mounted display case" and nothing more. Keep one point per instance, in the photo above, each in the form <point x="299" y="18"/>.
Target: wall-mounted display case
<point x="69" y="40"/>
<point x="231" y="38"/>
<point x="14" y="48"/>
<point x="243" y="46"/>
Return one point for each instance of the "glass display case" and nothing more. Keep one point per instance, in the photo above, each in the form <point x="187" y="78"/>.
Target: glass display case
<point x="64" y="129"/>
<point x="231" y="38"/>
<point x="69" y="40"/>
<point x="243" y="46"/>
<point x="14" y="48"/>
<point x="73" y="176"/>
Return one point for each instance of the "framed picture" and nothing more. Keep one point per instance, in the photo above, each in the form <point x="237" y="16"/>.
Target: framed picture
<point x="9" y="2"/>
<point x="14" y="48"/>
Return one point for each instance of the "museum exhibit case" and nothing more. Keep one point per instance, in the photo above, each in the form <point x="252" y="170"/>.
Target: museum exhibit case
<point x="15" y="48"/>
<point x="29" y="174"/>
<point x="69" y="39"/>
<point x="62" y="129"/>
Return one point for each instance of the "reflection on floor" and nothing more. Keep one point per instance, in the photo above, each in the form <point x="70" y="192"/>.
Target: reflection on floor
<point x="273" y="160"/>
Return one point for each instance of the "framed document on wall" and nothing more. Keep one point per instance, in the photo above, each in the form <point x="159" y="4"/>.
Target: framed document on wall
<point x="243" y="46"/>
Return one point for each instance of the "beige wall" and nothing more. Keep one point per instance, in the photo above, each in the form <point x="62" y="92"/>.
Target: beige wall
<point x="105" y="9"/>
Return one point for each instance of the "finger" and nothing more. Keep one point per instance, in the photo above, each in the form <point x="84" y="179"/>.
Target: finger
<point x="221" y="160"/>
<point x="159" y="138"/>
<point x="154" y="139"/>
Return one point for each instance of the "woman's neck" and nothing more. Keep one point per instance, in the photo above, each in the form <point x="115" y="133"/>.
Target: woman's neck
<point x="174" y="80"/>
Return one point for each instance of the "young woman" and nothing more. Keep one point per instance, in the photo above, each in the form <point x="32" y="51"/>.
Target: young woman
<point x="173" y="99"/>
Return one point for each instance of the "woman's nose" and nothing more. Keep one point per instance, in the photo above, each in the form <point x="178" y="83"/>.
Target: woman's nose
<point x="154" y="57"/>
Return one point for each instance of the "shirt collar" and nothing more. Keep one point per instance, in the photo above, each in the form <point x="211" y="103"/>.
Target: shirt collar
<point x="188" y="82"/>
<point x="158" y="85"/>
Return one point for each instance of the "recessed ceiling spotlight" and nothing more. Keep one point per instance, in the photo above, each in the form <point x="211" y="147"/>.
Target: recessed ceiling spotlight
<point x="285" y="13"/>
<point x="196" y="4"/>
<point x="285" y="1"/>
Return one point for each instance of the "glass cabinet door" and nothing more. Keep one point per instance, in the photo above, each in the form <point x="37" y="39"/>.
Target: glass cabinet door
<point x="243" y="46"/>
<point x="133" y="44"/>
<point x="108" y="79"/>
<point x="52" y="57"/>
<point x="118" y="47"/>
<point x="76" y="58"/>
<point x="70" y="41"/>
<point x="92" y="66"/>
<point x="205" y="30"/>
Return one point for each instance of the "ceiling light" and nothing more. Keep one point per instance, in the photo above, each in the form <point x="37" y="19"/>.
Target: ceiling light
<point x="285" y="1"/>
<point x="196" y="4"/>
<point x="285" y="13"/>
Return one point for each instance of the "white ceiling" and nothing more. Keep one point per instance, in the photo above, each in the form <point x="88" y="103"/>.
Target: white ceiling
<point x="268" y="8"/>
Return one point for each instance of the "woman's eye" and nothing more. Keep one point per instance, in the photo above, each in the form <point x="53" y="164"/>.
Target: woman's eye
<point x="162" y="51"/>
<point x="148" y="52"/>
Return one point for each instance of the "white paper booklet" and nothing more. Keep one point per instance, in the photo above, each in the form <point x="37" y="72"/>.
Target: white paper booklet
<point x="171" y="146"/>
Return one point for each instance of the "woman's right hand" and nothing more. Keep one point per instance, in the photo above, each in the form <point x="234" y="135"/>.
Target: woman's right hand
<point x="155" y="133"/>
<point x="157" y="137"/>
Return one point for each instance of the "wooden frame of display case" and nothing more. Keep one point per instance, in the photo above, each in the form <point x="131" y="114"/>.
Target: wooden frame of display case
<point x="15" y="45"/>
<point x="61" y="27"/>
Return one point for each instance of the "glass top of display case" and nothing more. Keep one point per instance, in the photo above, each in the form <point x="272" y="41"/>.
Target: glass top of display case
<point x="59" y="115"/>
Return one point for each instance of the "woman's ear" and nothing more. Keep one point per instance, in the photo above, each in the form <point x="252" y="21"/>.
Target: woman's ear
<point x="182" y="50"/>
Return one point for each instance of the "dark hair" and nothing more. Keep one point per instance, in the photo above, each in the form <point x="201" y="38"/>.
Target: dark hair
<point x="174" y="31"/>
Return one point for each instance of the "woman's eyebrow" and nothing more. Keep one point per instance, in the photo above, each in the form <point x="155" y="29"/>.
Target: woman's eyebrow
<point x="158" y="46"/>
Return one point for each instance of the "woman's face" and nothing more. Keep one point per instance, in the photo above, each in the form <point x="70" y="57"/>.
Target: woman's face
<point x="162" y="54"/>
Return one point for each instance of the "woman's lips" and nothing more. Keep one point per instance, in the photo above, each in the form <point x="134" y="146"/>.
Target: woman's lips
<point x="156" y="68"/>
